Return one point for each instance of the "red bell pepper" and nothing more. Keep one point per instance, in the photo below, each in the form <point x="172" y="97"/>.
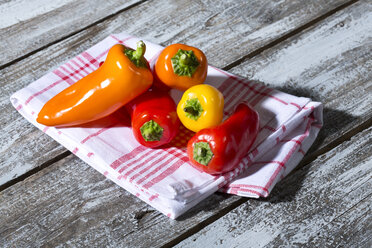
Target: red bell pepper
<point x="220" y="149"/>
<point x="154" y="118"/>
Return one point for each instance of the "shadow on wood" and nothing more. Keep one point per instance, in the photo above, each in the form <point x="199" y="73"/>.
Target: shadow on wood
<point x="210" y="204"/>
<point x="333" y="121"/>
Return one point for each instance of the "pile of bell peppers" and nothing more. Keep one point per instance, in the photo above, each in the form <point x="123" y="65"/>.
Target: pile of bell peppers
<point x="126" y="79"/>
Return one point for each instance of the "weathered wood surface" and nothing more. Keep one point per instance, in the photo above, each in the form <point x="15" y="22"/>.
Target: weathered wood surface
<point x="81" y="208"/>
<point x="46" y="22"/>
<point x="29" y="25"/>
<point x="203" y="24"/>
<point x="70" y="203"/>
<point x="325" y="204"/>
<point x="115" y="218"/>
<point x="330" y="63"/>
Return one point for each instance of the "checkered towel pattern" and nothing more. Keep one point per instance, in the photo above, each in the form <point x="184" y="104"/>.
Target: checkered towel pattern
<point x="163" y="177"/>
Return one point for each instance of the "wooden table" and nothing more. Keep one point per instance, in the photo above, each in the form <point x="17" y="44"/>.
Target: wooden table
<point x="318" y="49"/>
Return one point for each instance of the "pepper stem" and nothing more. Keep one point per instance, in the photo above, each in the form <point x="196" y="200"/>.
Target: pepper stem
<point x="184" y="60"/>
<point x="193" y="109"/>
<point x="184" y="63"/>
<point x="137" y="56"/>
<point x="140" y="51"/>
<point x="202" y="153"/>
<point x="151" y="131"/>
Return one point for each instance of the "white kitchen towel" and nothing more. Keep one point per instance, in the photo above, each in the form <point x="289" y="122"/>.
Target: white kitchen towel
<point x="163" y="177"/>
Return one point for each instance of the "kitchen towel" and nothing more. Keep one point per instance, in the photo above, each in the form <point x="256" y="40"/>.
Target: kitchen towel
<point x="163" y="177"/>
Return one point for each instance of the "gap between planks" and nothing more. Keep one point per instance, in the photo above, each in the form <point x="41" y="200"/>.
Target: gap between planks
<point x="351" y="208"/>
<point x="254" y="53"/>
<point x="71" y="34"/>
<point x="34" y="170"/>
<point x="289" y="35"/>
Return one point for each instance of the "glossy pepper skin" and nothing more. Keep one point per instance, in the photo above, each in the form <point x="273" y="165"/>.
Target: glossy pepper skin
<point x="201" y="106"/>
<point x="115" y="83"/>
<point x="180" y="66"/>
<point x="220" y="149"/>
<point x="154" y="118"/>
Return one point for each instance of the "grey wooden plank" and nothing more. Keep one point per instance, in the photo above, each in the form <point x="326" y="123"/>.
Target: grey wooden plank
<point x="330" y="63"/>
<point x="28" y="25"/>
<point x="251" y="25"/>
<point x="338" y="232"/>
<point x="70" y="203"/>
<point x="331" y="206"/>
<point x="149" y="227"/>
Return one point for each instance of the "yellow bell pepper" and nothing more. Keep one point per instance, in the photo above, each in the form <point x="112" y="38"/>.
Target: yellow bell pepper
<point x="200" y="107"/>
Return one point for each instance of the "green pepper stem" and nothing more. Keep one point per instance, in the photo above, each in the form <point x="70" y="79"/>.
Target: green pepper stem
<point x="193" y="109"/>
<point x="151" y="131"/>
<point x="137" y="56"/>
<point x="184" y="60"/>
<point x="184" y="63"/>
<point x="202" y="153"/>
<point x="140" y="51"/>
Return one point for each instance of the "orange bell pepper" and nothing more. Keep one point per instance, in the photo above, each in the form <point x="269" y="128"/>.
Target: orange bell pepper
<point x="124" y="75"/>
<point x="180" y="66"/>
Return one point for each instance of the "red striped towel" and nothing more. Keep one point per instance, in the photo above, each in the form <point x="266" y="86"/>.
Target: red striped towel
<point x="163" y="177"/>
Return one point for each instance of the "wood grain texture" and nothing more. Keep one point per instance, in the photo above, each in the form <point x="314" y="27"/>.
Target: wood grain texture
<point x="69" y="203"/>
<point x="250" y="25"/>
<point x="59" y="193"/>
<point x="325" y="204"/>
<point x="330" y="63"/>
<point x="77" y="206"/>
<point x="28" y="25"/>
